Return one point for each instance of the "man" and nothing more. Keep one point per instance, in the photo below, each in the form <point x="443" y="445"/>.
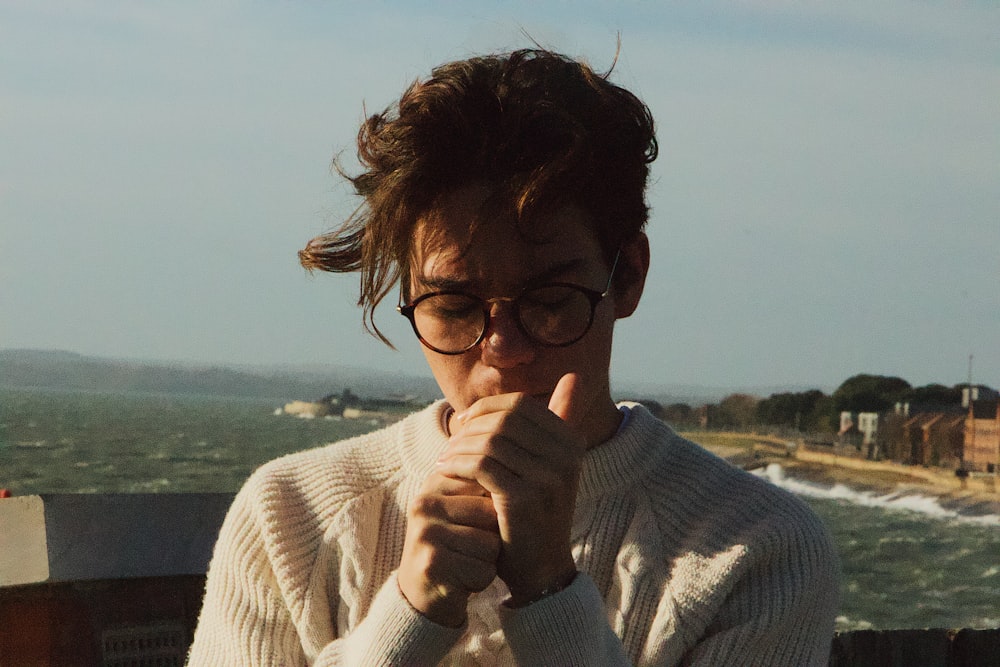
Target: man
<point x="526" y="518"/>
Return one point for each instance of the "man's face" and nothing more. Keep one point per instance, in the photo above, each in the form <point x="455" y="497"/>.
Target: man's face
<point x="498" y="262"/>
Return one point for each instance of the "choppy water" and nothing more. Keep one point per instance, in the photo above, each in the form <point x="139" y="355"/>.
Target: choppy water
<point x="57" y="442"/>
<point x="907" y="561"/>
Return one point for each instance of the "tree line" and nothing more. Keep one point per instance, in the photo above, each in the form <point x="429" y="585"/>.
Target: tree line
<point x="811" y="411"/>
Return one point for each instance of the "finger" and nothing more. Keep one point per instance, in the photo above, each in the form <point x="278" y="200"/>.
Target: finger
<point x="451" y="486"/>
<point x="470" y="511"/>
<point x="487" y="472"/>
<point x="517" y="450"/>
<point x="568" y="400"/>
<point x="474" y="543"/>
<point x="501" y="403"/>
<point x="522" y="420"/>
<point x="472" y="573"/>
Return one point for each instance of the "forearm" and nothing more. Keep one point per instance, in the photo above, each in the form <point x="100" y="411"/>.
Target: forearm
<point x="243" y="620"/>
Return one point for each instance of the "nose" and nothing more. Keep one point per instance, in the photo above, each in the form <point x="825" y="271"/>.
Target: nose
<point x="505" y="345"/>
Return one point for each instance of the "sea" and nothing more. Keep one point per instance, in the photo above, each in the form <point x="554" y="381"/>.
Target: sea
<point x="907" y="561"/>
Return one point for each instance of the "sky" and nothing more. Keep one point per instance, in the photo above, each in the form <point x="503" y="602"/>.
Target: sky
<point x="826" y="201"/>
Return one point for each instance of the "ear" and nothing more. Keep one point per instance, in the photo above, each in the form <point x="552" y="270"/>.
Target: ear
<point x="635" y="256"/>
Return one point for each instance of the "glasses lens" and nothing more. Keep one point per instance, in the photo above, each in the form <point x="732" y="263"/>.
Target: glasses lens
<point x="555" y="314"/>
<point x="449" y="322"/>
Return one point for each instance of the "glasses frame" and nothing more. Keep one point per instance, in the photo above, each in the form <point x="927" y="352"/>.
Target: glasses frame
<point x="594" y="296"/>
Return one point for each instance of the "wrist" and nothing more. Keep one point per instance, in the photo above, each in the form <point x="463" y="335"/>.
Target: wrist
<point x="519" y="600"/>
<point x="445" y="609"/>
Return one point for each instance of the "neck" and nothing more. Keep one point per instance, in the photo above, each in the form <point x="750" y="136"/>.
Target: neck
<point x="602" y="423"/>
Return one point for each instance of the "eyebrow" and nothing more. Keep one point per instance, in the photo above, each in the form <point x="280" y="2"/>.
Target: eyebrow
<point x="446" y="283"/>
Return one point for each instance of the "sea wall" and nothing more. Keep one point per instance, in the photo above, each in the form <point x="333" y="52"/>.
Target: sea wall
<point x="940" y="477"/>
<point x="90" y="579"/>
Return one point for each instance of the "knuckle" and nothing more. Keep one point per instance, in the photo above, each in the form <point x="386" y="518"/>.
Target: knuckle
<point x="424" y="505"/>
<point x="434" y="533"/>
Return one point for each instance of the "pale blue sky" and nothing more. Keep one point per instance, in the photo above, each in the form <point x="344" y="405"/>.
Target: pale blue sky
<point x="826" y="201"/>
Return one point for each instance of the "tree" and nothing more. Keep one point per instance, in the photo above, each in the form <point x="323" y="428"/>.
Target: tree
<point x="680" y="414"/>
<point x="869" y="393"/>
<point x="819" y="419"/>
<point x="735" y="410"/>
<point x="804" y="411"/>
<point x="934" y="395"/>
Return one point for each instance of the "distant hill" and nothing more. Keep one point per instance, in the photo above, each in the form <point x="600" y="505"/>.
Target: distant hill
<point x="68" y="371"/>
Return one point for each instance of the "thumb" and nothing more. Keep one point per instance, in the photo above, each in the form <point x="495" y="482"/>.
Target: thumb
<point x="567" y="400"/>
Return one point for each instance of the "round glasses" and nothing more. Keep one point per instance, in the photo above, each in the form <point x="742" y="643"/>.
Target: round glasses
<point x="552" y="314"/>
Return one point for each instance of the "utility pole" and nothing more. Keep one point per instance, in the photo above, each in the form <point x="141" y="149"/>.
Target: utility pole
<point x="972" y="412"/>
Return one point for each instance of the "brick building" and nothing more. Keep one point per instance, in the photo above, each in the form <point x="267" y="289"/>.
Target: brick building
<point x="982" y="436"/>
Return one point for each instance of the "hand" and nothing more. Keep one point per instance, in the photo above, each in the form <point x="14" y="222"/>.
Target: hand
<point x="450" y="550"/>
<point x="527" y="457"/>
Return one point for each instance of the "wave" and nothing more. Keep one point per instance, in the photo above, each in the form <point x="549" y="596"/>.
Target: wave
<point x="902" y="501"/>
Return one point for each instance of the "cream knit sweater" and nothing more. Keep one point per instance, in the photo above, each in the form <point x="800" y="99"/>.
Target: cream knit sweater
<point x="683" y="559"/>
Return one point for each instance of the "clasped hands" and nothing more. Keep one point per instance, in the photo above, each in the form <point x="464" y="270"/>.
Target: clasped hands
<point x="499" y="504"/>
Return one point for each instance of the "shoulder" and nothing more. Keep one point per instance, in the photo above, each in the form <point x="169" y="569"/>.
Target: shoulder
<point x="695" y="492"/>
<point x="353" y="465"/>
<point x="322" y="482"/>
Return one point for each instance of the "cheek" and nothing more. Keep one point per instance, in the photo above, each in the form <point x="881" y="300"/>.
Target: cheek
<point x="450" y="371"/>
<point x="601" y="330"/>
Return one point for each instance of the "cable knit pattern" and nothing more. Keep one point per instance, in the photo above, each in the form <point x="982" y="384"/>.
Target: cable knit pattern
<point x="683" y="558"/>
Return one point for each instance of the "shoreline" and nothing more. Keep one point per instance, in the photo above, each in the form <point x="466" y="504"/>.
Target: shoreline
<point x="878" y="478"/>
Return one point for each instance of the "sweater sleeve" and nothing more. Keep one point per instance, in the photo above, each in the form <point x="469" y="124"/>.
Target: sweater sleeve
<point x="393" y="633"/>
<point x="568" y="628"/>
<point x="290" y="579"/>
<point x="244" y="619"/>
<point x="781" y="611"/>
<point x="252" y="616"/>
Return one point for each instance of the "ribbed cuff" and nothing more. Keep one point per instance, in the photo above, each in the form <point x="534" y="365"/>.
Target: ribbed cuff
<point x="567" y="628"/>
<point x="394" y="633"/>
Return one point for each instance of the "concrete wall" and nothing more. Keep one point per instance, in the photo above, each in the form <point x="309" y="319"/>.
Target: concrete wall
<point x="82" y="537"/>
<point x="104" y="579"/>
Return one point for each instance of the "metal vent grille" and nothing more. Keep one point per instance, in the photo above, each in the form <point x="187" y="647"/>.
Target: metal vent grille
<point x="161" y="645"/>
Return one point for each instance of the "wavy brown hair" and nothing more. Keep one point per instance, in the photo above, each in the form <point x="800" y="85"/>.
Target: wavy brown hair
<point x="543" y="130"/>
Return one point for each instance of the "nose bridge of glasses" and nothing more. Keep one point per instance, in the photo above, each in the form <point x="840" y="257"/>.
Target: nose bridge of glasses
<point x="499" y="307"/>
<point x="503" y="318"/>
<point x="497" y="300"/>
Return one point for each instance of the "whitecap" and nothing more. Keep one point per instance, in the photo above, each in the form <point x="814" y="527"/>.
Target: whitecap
<point x="845" y="623"/>
<point x="896" y="501"/>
